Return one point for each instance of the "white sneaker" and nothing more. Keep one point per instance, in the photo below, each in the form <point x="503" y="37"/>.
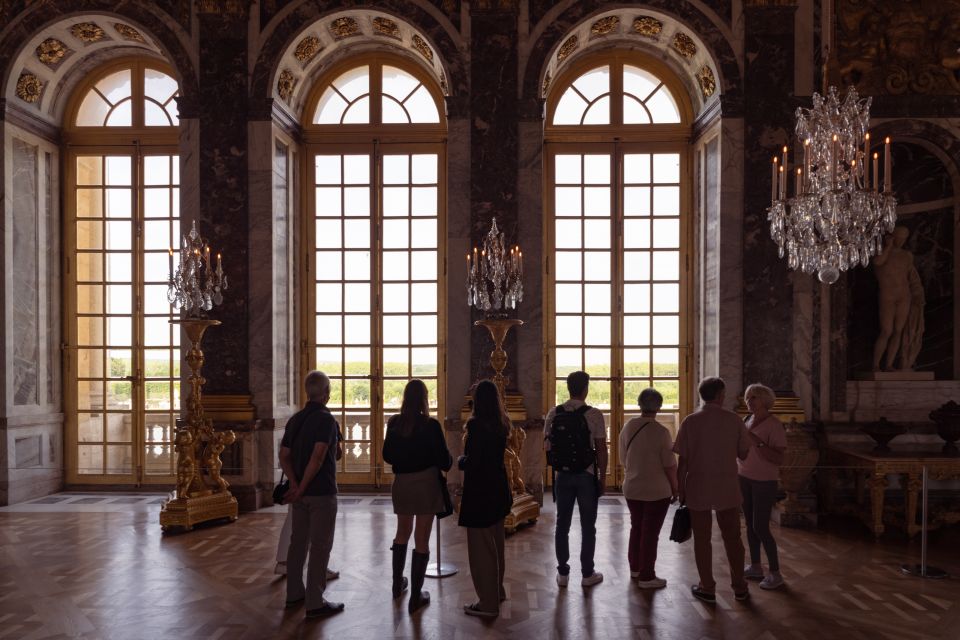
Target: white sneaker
<point x="280" y="569"/>
<point x="562" y="580"/>
<point x="656" y="583"/>
<point x="753" y="572"/>
<point x="589" y="581"/>
<point x="773" y="581"/>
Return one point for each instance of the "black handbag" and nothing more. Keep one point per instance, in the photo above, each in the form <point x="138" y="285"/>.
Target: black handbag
<point x="447" y="502"/>
<point x="280" y="490"/>
<point x="681" y="529"/>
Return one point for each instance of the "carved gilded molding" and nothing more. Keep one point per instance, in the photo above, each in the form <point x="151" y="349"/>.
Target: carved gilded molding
<point x="386" y="27"/>
<point x="604" y="26"/>
<point x="421" y="45"/>
<point x="648" y="26"/>
<point x="29" y="87"/>
<point x="51" y="52"/>
<point x="308" y="48"/>
<point x="344" y="28"/>
<point x="88" y="32"/>
<point x="567" y="48"/>
<point x="684" y="45"/>
<point x="708" y="83"/>
<point x="897" y="47"/>
<point x="128" y="32"/>
<point x="285" y="84"/>
<point x="443" y="83"/>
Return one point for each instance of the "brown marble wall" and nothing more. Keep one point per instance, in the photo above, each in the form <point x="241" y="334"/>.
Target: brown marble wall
<point x="222" y="113"/>
<point x="767" y="292"/>
<point x="493" y="154"/>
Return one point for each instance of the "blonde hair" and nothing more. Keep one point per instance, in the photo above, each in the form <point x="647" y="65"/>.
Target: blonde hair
<point x="765" y="393"/>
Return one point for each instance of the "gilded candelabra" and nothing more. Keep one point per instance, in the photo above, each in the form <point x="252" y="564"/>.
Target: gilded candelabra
<point x="494" y="285"/>
<point x="202" y="493"/>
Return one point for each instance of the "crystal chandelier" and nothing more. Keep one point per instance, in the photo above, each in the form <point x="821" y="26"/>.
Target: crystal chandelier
<point x="195" y="286"/>
<point x="495" y="276"/>
<point x="838" y="214"/>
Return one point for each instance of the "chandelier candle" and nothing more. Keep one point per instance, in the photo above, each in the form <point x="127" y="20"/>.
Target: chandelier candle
<point x="495" y="278"/>
<point x="837" y="216"/>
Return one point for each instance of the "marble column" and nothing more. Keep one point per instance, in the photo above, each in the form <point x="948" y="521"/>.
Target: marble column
<point x="223" y="196"/>
<point x="767" y="288"/>
<point x="493" y="159"/>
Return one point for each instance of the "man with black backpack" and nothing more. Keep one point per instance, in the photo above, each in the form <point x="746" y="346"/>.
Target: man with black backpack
<point x="575" y="439"/>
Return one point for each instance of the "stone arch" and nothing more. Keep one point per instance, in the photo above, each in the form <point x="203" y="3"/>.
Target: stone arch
<point x="308" y="36"/>
<point x="678" y="32"/>
<point x="132" y="28"/>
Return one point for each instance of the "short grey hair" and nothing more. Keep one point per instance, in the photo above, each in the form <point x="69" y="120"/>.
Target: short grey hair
<point x="316" y="383"/>
<point x="650" y="400"/>
<point x="765" y="393"/>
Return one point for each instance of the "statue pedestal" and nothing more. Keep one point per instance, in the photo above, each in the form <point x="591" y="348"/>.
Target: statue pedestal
<point x="186" y="512"/>
<point x="525" y="510"/>
<point x="878" y="376"/>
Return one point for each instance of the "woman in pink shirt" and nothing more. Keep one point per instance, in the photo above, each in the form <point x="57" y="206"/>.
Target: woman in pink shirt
<point x="759" y="473"/>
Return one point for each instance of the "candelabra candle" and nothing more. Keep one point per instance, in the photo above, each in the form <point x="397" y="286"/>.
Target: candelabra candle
<point x="494" y="278"/>
<point x="866" y="157"/>
<point x="195" y="287"/>
<point x="887" y="175"/>
<point x="773" y="181"/>
<point x="876" y="161"/>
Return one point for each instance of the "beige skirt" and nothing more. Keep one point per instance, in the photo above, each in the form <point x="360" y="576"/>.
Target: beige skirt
<point x="417" y="493"/>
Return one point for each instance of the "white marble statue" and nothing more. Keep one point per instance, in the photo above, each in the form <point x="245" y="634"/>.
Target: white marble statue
<point x="901" y="303"/>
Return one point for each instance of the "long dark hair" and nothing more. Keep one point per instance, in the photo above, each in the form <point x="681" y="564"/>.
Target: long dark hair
<point x="416" y="403"/>
<point x="488" y="408"/>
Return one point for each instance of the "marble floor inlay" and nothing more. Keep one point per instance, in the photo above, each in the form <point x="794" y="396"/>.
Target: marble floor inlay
<point x="96" y="566"/>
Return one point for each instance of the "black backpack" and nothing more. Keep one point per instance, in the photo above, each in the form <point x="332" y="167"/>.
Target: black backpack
<point x="571" y="448"/>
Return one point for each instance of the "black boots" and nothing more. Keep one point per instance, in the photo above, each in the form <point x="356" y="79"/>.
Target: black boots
<point x="399" y="560"/>
<point x="418" y="569"/>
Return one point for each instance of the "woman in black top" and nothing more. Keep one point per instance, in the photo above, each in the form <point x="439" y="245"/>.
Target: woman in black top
<point x="486" y="498"/>
<point x="416" y="448"/>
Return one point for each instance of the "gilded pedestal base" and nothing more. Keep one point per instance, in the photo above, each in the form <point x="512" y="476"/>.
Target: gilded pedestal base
<point x="525" y="510"/>
<point x="187" y="512"/>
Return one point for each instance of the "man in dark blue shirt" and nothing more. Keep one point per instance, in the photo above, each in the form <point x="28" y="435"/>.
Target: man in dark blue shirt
<point x="308" y="455"/>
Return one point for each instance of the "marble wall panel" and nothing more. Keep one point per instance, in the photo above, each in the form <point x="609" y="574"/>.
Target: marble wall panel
<point x="25" y="298"/>
<point x="459" y="316"/>
<point x="493" y="156"/>
<point x="224" y="196"/>
<point x="51" y="285"/>
<point x="730" y="326"/>
<point x="710" y="263"/>
<point x="530" y="337"/>
<point x="263" y="380"/>
<point x="767" y="292"/>
<point x="31" y="456"/>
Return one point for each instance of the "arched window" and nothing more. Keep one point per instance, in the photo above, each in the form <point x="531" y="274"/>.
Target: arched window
<point x="122" y="361"/>
<point x="374" y="306"/>
<point x="616" y="215"/>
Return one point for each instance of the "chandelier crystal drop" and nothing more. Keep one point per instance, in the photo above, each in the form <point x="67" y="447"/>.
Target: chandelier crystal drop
<point x="495" y="275"/>
<point x="839" y="212"/>
<point x="195" y="286"/>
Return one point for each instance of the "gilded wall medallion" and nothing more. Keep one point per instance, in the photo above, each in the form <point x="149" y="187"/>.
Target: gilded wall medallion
<point x="708" y="84"/>
<point x="344" y="28"/>
<point x="285" y="84"/>
<point x="87" y="32"/>
<point x="684" y="45"/>
<point x="567" y="48"/>
<point x="128" y="32"/>
<point x="603" y="26"/>
<point x="308" y="48"/>
<point x="386" y="27"/>
<point x="421" y="45"/>
<point x="546" y="84"/>
<point x="51" y="51"/>
<point x="29" y="87"/>
<point x="648" y="26"/>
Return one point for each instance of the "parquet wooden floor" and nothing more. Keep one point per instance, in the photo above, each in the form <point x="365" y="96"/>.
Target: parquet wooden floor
<point x="97" y="566"/>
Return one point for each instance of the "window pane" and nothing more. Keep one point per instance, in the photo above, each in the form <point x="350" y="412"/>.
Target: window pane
<point x="329" y="297"/>
<point x="569" y="330"/>
<point x="597" y="330"/>
<point x="356" y="201"/>
<point x="424" y="265"/>
<point x="666" y="362"/>
<point x="568" y="266"/>
<point x="154" y="115"/>
<point x="329" y="329"/>
<point x="636" y="201"/>
<point x="597" y="265"/>
<point x="396" y="169"/>
<point x="666" y="201"/>
<point x="395" y="265"/>
<point x="597" y="201"/>
<point x="567" y="201"/>
<point x="393" y="112"/>
<point x="636" y="168"/>
<point x="569" y="109"/>
<point x="569" y="298"/>
<point x="424" y="329"/>
<point x="396" y="201"/>
<point x="328" y="360"/>
<point x="597" y="363"/>
<point x="156" y="170"/>
<point x="666" y="330"/>
<point x="594" y="83"/>
<point x="597" y="298"/>
<point x="356" y="234"/>
<point x="636" y="265"/>
<point x="598" y="112"/>
<point x="421" y="107"/>
<point x="328" y="234"/>
<point x="666" y="234"/>
<point x="119" y="171"/>
<point x="424" y="201"/>
<point x="636" y="362"/>
<point x="425" y="168"/>
<point x="636" y="298"/>
<point x="568" y="234"/>
<point x="116" y="86"/>
<point x="395" y="234"/>
<point x="357" y="329"/>
<point x="662" y="107"/>
<point x="424" y="297"/>
<point x="354" y="83"/>
<point x="424" y="361"/>
<point x="666" y="167"/>
<point x="357" y="265"/>
<point x="636" y="330"/>
<point x="158" y="85"/>
<point x="666" y="265"/>
<point x="328" y="202"/>
<point x="567" y="169"/>
<point x="330" y="108"/>
<point x="636" y="233"/>
<point x="93" y="111"/>
<point x="327" y="169"/>
<point x="634" y="112"/>
<point x="328" y="265"/>
<point x="396" y="298"/>
<point x="121" y="116"/>
<point x="666" y="298"/>
<point x="596" y="169"/>
<point x="596" y="234"/>
<point x="396" y="362"/>
<point x="638" y="82"/>
<point x="396" y="330"/>
<point x="424" y="234"/>
<point x="356" y="297"/>
<point x="356" y="169"/>
<point x="358" y="112"/>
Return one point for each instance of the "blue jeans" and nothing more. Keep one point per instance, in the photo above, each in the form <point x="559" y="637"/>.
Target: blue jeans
<point x="579" y="487"/>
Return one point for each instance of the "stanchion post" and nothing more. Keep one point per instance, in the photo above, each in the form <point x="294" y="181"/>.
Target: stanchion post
<point x="922" y="570"/>
<point x="438" y="569"/>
